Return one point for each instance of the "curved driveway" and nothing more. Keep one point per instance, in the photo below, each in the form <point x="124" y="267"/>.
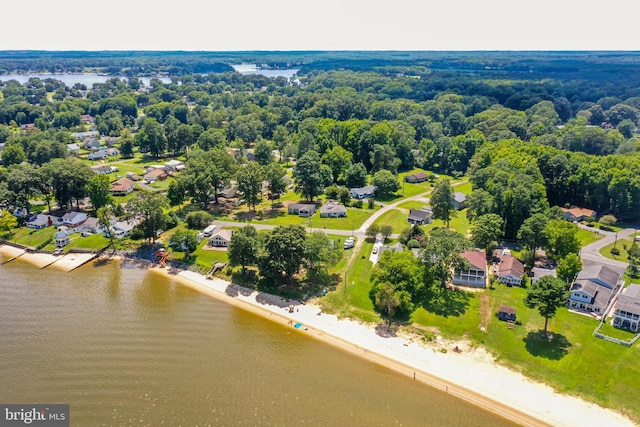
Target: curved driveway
<point x="591" y="252"/>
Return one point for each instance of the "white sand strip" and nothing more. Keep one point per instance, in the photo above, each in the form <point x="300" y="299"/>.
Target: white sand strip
<point x="9" y="252"/>
<point x="472" y="374"/>
<point x="70" y="261"/>
<point x="38" y="259"/>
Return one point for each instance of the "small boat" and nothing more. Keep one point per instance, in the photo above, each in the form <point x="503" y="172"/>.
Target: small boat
<point x="297" y="325"/>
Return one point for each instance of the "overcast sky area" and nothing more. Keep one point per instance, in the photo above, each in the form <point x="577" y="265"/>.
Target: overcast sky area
<point x="321" y="25"/>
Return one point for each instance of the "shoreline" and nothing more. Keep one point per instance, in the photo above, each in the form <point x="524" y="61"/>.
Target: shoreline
<point x="471" y="374"/>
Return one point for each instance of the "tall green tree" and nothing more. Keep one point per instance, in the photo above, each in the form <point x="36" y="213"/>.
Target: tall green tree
<point x="546" y="295"/>
<point x="149" y="207"/>
<point x="263" y="152"/>
<point x="441" y="254"/>
<point x="7" y="221"/>
<point x="320" y="257"/>
<point x="532" y="234"/>
<point x="206" y="173"/>
<point x="150" y="138"/>
<point x="307" y="176"/>
<point x="104" y="221"/>
<point x="249" y="178"/>
<point x="185" y="241"/>
<point x="386" y="183"/>
<point x="562" y="238"/>
<point x="442" y="201"/>
<point x="274" y="175"/>
<point x="486" y="230"/>
<point x="244" y="247"/>
<point x="98" y="189"/>
<point x="356" y="176"/>
<point x="338" y="159"/>
<point x="283" y="255"/>
<point x="568" y="268"/>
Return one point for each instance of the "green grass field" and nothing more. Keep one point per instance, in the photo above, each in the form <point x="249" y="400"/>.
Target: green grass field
<point x="622" y="245"/>
<point x="587" y="237"/>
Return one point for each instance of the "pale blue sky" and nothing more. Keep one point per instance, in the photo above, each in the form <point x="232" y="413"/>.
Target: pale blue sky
<point x="320" y="25"/>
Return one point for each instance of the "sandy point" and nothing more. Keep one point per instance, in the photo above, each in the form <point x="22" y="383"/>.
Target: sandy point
<point x="471" y="373"/>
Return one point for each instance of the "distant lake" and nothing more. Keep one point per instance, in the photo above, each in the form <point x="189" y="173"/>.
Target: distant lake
<point x="70" y="79"/>
<point x="253" y="69"/>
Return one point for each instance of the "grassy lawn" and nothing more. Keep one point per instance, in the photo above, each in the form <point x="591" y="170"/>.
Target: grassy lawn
<point x="622" y="245"/>
<point x="573" y="362"/>
<point x="411" y="204"/>
<point x="395" y="218"/>
<point x="34" y="238"/>
<point x="463" y="188"/>
<point x="586" y="237"/>
<point x="95" y="242"/>
<point x="459" y="223"/>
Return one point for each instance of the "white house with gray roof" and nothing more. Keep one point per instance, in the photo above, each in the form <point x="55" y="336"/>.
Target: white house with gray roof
<point x="594" y="287"/>
<point x="627" y="309"/>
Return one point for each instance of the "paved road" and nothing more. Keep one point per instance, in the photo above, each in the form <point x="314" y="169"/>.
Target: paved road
<point x="591" y="252"/>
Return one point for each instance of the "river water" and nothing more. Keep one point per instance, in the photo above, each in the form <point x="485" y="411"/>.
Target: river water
<point x="124" y="346"/>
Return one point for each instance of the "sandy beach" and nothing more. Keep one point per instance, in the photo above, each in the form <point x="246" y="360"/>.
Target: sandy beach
<point x="470" y="374"/>
<point x="66" y="262"/>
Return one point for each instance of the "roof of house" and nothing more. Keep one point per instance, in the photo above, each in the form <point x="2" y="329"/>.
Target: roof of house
<point x="331" y="206"/>
<point x="599" y="294"/>
<point x="541" y="272"/>
<point x="302" y="206"/>
<point x="40" y="219"/>
<point x="629" y="300"/>
<point x="419" y="215"/>
<point x="459" y="197"/>
<point x="73" y="147"/>
<point x="577" y="211"/>
<point x="72" y="215"/>
<point x="91" y="222"/>
<point x="606" y="274"/>
<point x="477" y="259"/>
<point x="510" y="265"/>
<point x="369" y="189"/>
<point x="222" y="233"/>
<point x="507" y="309"/>
<point x="157" y="172"/>
<point x="122" y="184"/>
<point x="417" y="175"/>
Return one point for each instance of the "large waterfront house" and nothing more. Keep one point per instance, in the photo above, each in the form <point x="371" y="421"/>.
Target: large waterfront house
<point x="220" y="238"/>
<point x="476" y="274"/>
<point x="575" y="213"/>
<point x="363" y="192"/>
<point x="507" y="268"/>
<point x="89" y="226"/>
<point x="420" y="216"/>
<point x="73" y="219"/>
<point x="61" y="238"/>
<point x="42" y="221"/>
<point x="332" y="209"/>
<point x="594" y="287"/>
<point x="627" y="309"/>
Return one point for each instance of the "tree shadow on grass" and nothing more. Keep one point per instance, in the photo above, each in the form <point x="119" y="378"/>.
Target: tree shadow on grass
<point x="539" y="345"/>
<point x="446" y="302"/>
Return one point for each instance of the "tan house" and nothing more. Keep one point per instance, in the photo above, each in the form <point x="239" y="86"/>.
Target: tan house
<point x="475" y="275"/>
<point x="122" y="187"/>
<point x="220" y="238"/>
<point x="575" y="213"/>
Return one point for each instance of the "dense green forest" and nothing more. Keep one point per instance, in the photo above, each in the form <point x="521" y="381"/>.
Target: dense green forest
<point x="508" y="119"/>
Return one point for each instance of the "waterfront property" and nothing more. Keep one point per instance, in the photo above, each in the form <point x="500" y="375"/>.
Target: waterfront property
<point x="594" y="287"/>
<point x="626" y="314"/>
<point x="73" y="218"/>
<point x="220" y="238"/>
<point x="507" y="268"/>
<point x="476" y="274"/>
<point x="537" y="273"/>
<point x="42" y="221"/>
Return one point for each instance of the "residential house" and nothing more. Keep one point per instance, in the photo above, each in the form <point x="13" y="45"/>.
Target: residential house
<point x="42" y="221"/>
<point x="396" y="248"/>
<point x="133" y="176"/>
<point x="122" y="187"/>
<point x="98" y="155"/>
<point x="476" y="274"/>
<point x="121" y="229"/>
<point x="91" y="143"/>
<point x="28" y="127"/>
<point x="507" y="268"/>
<point x="229" y="192"/>
<point x="104" y="169"/>
<point x="537" y="273"/>
<point x="594" y="287"/>
<point x="89" y="226"/>
<point x="459" y="200"/>
<point x="174" y="166"/>
<point x="155" y="175"/>
<point x="420" y="216"/>
<point x="332" y="209"/>
<point x="575" y="213"/>
<point x="73" y="149"/>
<point x="110" y="141"/>
<point x="220" y="238"/>
<point x="302" y="209"/>
<point x="82" y="135"/>
<point x="111" y="152"/>
<point x="508" y="313"/>
<point x="627" y="309"/>
<point x="87" y="119"/>
<point x="73" y="219"/>
<point x="62" y="239"/>
<point x="363" y="192"/>
<point x="416" y="177"/>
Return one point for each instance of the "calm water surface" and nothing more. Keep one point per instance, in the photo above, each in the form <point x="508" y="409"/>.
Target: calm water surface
<point x="70" y="79"/>
<point x="124" y="346"/>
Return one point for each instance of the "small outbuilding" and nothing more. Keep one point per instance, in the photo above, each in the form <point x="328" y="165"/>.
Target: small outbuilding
<point x="507" y="313"/>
